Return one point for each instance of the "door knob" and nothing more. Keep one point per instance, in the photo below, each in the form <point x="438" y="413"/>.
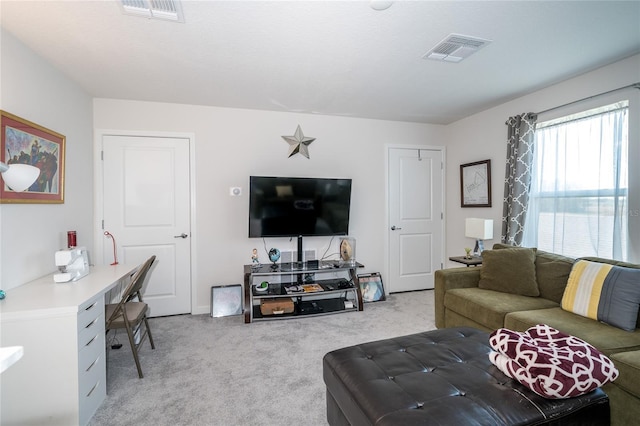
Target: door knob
<point x="183" y="235"/>
<point x="394" y="228"/>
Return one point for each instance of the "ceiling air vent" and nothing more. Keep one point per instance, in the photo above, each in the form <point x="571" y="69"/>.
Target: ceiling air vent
<point x="455" y="48"/>
<point x="168" y="10"/>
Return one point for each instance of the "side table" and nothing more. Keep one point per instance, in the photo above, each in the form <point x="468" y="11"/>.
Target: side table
<point x="473" y="261"/>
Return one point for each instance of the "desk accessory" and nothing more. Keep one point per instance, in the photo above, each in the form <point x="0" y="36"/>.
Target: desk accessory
<point x="73" y="264"/>
<point x="274" y="256"/>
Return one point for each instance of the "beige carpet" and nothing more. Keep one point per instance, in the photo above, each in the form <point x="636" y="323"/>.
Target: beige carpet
<point x="220" y="371"/>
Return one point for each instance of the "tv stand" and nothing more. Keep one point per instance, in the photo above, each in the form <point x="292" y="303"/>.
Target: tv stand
<point x="336" y="286"/>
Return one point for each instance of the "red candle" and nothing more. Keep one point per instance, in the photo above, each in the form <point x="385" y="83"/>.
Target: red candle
<point x="71" y="239"/>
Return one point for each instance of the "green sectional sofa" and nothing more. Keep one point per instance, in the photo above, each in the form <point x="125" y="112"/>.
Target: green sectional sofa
<point x="461" y="300"/>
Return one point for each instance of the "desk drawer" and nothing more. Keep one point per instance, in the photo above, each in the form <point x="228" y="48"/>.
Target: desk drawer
<point x="88" y="332"/>
<point x="90" y="310"/>
<point x="88" y="354"/>
<point x="90" y="321"/>
<point x="92" y="376"/>
<point x="92" y="388"/>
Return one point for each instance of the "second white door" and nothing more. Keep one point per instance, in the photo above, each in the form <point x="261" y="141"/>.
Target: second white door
<point x="146" y="208"/>
<point x="415" y="217"/>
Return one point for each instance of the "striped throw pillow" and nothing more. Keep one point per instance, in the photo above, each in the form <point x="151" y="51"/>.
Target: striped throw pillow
<point x="604" y="292"/>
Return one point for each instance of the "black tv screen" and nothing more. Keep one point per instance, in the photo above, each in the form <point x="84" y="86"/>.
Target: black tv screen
<point x="293" y="206"/>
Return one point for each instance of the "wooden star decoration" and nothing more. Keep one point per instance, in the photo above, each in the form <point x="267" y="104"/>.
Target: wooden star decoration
<point x="298" y="143"/>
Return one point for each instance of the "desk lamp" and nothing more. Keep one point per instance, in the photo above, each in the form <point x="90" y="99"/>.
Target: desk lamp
<point x="480" y="229"/>
<point x="18" y="177"/>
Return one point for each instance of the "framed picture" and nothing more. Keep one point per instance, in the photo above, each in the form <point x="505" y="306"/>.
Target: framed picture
<point x="226" y="300"/>
<point x="475" y="184"/>
<point x="28" y="143"/>
<point x="371" y="287"/>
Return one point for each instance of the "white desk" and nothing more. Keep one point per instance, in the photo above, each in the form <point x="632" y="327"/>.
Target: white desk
<point x="9" y="356"/>
<point x="61" y="378"/>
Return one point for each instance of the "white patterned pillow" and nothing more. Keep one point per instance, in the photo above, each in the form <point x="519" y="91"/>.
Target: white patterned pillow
<point x="549" y="362"/>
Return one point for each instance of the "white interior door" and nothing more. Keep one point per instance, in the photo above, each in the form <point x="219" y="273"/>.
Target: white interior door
<point x="147" y="209"/>
<point x="415" y="217"/>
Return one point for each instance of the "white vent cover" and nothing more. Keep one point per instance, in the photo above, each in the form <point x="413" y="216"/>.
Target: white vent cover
<point x="169" y="10"/>
<point x="455" y="48"/>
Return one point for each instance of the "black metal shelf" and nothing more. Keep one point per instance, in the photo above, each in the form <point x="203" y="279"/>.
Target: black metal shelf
<point x="304" y="308"/>
<point x="330" y="286"/>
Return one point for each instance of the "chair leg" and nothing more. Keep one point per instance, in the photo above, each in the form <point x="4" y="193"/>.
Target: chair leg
<point x="146" y="324"/>
<point x="134" y="349"/>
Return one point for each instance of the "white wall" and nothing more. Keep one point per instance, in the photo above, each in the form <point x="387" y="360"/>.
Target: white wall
<point x="31" y="233"/>
<point x="484" y="136"/>
<point x="233" y="144"/>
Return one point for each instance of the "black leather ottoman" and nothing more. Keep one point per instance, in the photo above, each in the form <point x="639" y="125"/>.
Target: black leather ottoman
<point x="441" y="377"/>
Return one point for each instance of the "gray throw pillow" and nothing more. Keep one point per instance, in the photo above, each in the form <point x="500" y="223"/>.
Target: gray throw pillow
<point x="511" y="270"/>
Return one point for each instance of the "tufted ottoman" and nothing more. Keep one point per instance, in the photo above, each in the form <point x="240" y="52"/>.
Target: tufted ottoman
<point x="440" y="377"/>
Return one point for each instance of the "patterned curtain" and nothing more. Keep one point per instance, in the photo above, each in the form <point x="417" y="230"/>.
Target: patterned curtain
<point x="520" y="147"/>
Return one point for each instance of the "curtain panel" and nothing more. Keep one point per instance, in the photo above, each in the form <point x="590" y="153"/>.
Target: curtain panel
<point x="520" y="151"/>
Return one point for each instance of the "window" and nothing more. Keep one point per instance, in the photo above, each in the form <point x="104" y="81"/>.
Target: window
<point x="579" y="197"/>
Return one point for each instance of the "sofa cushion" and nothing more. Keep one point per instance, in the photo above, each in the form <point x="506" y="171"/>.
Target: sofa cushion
<point x="604" y="292"/>
<point x="606" y="338"/>
<point x="628" y="363"/>
<point x="552" y="273"/>
<point x="510" y="270"/>
<point x="488" y="307"/>
<point x="550" y="363"/>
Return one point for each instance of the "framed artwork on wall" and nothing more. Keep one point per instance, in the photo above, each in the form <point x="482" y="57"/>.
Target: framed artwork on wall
<point x="475" y="184"/>
<point x="24" y="142"/>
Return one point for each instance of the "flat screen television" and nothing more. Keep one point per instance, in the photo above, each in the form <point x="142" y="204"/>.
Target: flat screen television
<point x="295" y="206"/>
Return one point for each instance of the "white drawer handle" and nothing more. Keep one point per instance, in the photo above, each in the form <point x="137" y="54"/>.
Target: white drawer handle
<point x="88" y="308"/>
<point x="91" y="341"/>
<point x="93" y="388"/>
<point x="92" y="364"/>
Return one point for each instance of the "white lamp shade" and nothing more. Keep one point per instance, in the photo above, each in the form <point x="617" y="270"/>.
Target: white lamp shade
<point x="480" y="229"/>
<point x="19" y="177"/>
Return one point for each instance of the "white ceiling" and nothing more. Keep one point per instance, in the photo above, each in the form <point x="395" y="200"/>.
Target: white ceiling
<point x="327" y="57"/>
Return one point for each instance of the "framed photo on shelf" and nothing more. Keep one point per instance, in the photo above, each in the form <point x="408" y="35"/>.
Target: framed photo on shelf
<point x="226" y="300"/>
<point x="371" y="287"/>
<point x="475" y="184"/>
<point x="24" y="142"/>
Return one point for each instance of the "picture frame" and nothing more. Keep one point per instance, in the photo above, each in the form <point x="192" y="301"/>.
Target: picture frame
<point x="475" y="184"/>
<point x="371" y="287"/>
<point x="29" y="143"/>
<point x="226" y="300"/>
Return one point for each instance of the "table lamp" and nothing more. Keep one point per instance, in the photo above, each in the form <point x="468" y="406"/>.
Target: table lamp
<point x="19" y="177"/>
<point x="480" y="229"/>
